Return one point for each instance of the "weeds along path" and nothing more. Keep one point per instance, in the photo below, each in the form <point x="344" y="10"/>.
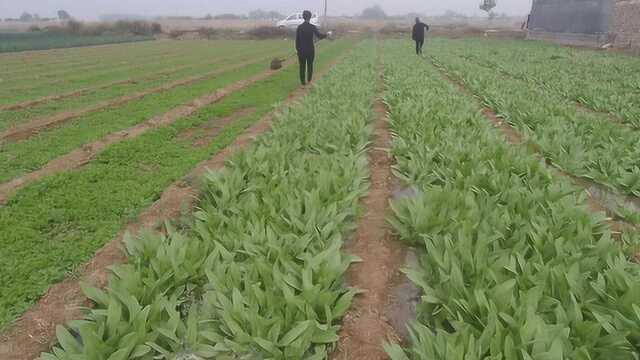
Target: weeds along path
<point x="35" y="330"/>
<point x="88" y="152"/>
<point x="24" y="131"/>
<point x="366" y="327"/>
<point x="511" y="263"/>
<point x="599" y="198"/>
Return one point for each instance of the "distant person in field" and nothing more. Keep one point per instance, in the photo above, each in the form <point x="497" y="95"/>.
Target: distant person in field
<point x="306" y="49"/>
<point x="418" y="35"/>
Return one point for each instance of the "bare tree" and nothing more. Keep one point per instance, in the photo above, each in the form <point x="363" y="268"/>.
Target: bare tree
<point x="488" y="6"/>
<point x="63" y="15"/>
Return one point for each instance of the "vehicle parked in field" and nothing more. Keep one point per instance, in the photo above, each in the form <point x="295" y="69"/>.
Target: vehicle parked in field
<point x="294" y="20"/>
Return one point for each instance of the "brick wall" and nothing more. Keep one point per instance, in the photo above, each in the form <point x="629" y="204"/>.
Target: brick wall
<point x="625" y="23"/>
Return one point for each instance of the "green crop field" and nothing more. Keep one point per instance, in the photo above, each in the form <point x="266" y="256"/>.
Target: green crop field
<point x="12" y="42"/>
<point x="491" y="233"/>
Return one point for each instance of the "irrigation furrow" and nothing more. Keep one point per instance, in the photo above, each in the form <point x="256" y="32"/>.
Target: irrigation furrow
<point x="34" y="331"/>
<point x="27" y="130"/>
<point x="367" y="326"/>
<point x="87" y="152"/>
<point x="599" y="198"/>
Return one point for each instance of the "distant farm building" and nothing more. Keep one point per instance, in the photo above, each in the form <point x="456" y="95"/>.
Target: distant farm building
<point x="587" y="22"/>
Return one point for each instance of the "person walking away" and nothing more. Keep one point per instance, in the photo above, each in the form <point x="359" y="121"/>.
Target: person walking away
<point x="305" y="35"/>
<point x="418" y="35"/>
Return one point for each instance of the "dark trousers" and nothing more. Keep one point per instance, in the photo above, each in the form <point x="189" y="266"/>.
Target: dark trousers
<point x="306" y="67"/>
<point x="419" y="44"/>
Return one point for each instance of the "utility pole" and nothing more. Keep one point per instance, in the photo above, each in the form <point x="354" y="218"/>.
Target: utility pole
<point x="325" y="13"/>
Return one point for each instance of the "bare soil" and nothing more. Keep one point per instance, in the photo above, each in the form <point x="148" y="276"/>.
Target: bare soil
<point x="201" y="136"/>
<point x="34" y="332"/>
<point x="366" y="327"/>
<point x="26" y="130"/>
<point x="83" y="155"/>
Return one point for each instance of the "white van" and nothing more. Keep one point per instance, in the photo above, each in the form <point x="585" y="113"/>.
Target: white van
<point x="294" y="20"/>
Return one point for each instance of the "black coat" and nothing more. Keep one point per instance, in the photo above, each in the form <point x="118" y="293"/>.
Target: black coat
<point x="418" y="31"/>
<point x="304" y="38"/>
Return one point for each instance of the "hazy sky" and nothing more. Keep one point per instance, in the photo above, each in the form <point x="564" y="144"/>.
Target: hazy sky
<point x="93" y="8"/>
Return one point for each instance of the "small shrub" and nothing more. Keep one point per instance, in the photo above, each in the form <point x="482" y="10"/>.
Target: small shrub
<point x="156" y="28"/>
<point x="175" y="34"/>
<point x="74" y="27"/>
<point x="207" y="33"/>
<point x="268" y="32"/>
<point x="34" y="28"/>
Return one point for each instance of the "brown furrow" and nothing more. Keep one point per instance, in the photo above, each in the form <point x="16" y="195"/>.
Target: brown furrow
<point x="596" y="193"/>
<point x="366" y="327"/>
<point x="34" y="332"/>
<point x="83" y="155"/>
<point x="31" y="128"/>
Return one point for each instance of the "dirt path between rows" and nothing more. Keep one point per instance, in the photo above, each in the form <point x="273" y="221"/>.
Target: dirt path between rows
<point x="25" y="131"/>
<point x="83" y="155"/>
<point x="599" y="198"/>
<point x="34" y="332"/>
<point x="366" y="327"/>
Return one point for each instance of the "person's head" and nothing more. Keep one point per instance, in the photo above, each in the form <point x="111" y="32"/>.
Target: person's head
<point x="306" y="15"/>
<point x="417" y="20"/>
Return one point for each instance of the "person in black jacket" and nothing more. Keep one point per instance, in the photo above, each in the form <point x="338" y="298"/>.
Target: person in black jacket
<point x="305" y="46"/>
<point x="418" y="35"/>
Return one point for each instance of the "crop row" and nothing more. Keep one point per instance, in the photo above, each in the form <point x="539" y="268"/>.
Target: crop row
<point x="115" y="72"/>
<point x="50" y="227"/>
<point x="136" y="59"/>
<point x="583" y="144"/>
<point x="51" y="60"/>
<point x="257" y="274"/>
<point x="151" y="77"/>
<point x="511" y="264"/>
<point x="121" y="55"/>
<point x="18" y="158"/>
<point x="581" y="77"/>
<point x="24" y="42"/>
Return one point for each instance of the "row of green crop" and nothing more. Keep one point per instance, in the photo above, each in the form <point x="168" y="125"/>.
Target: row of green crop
<point x="579" y="77"/>
<point x="120" y="54"/>
<point x="18" y="158"/>
<point x="45" y="41"/>
<point x="511" y="264"/>
<point x="583" y="144"/>
<point x="50" y="227"/>
<point x="115" y="72"/>
<point x="134" y="59"/>
<point x="150" y="78"/>
<point x="258" y="273"/>
<point x="52" y="60"/>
